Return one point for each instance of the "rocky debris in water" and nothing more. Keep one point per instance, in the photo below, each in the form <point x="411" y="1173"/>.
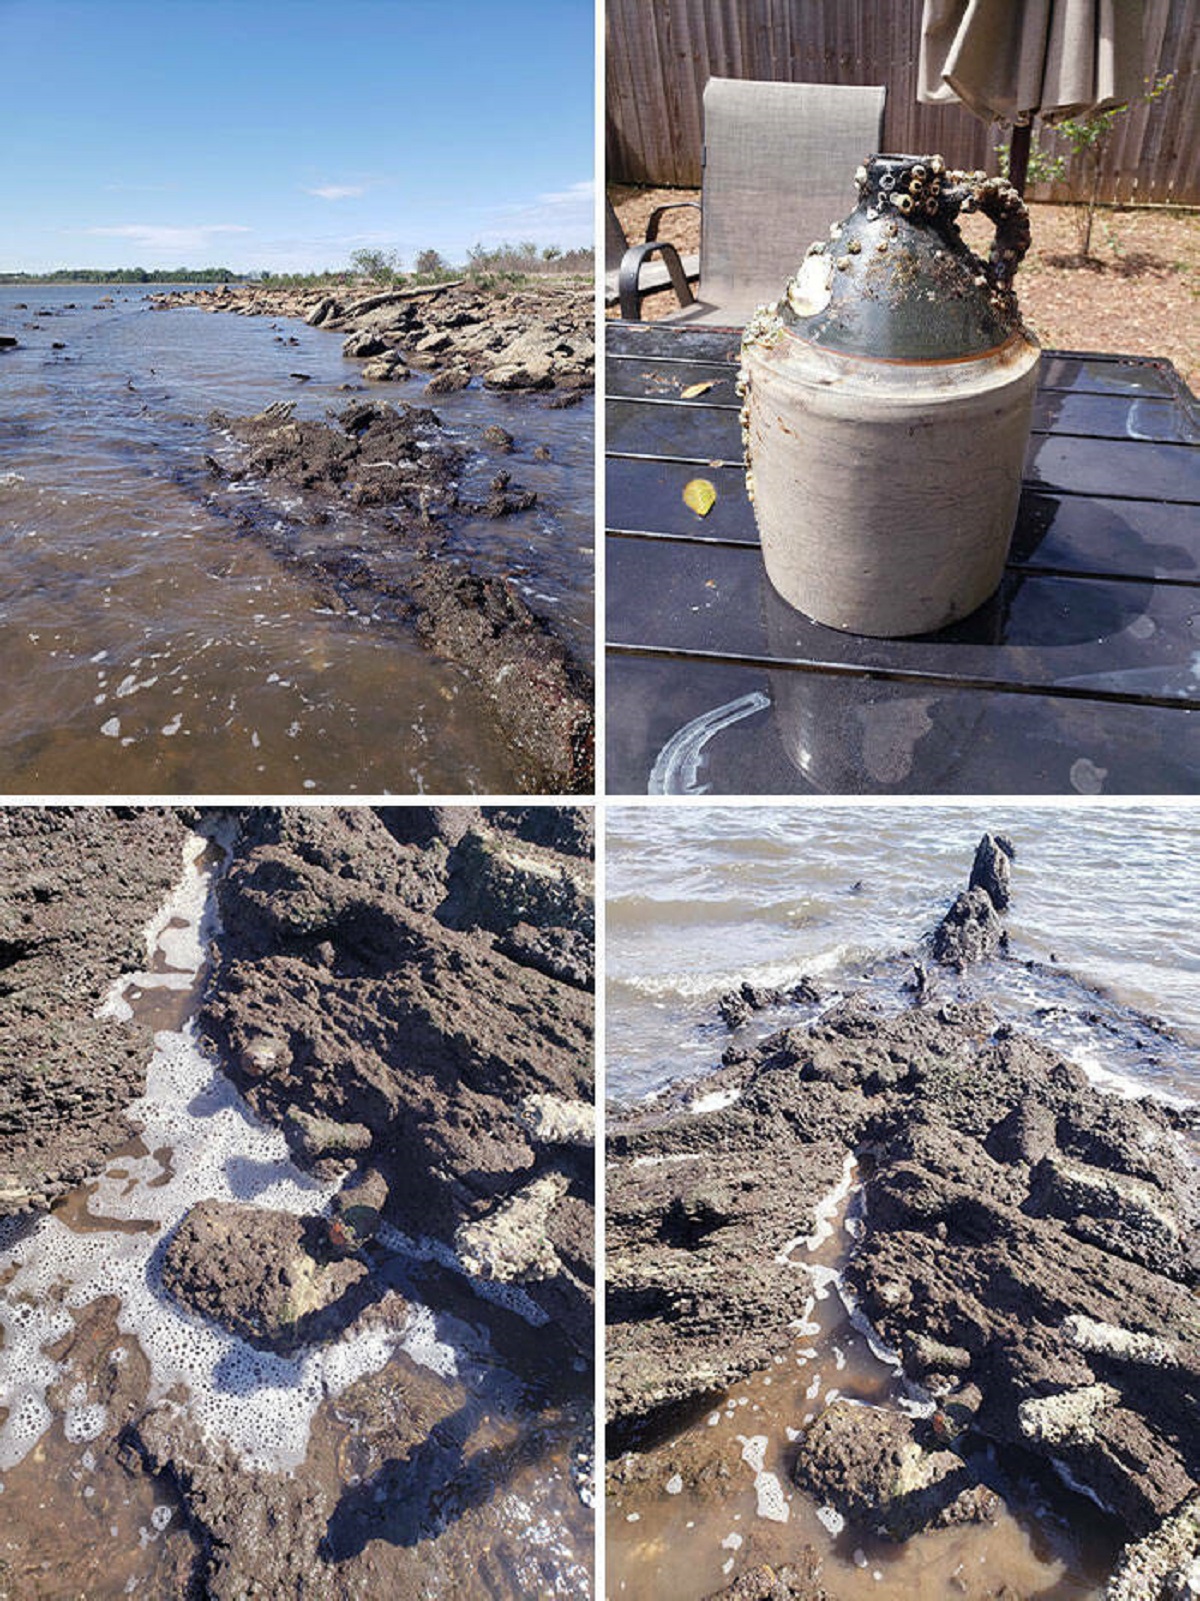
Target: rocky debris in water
<point x="96" y="1395"/>
<point x="739" y="1006"/>
<point x="700" y="1209"/>
<point x="422" y="1033"/>
<point x="499" y="438"/>
<point x="531" y="338"/>
<point x="357" y="1210"/>
<point x="503" y="501"/>
<point x="870" y="1464"/>
<point x="389" y="368"/>
<point x="1060" y="1320"/>
<point x="266" y="1276"/>
<point x="363" y="345"/>
<point x="374" y="456"/>
<point x="448" y="381"/>
<point x="970" y="931"/>
<point x="1165" y="1566"/>
<point x="77" y="887"/>
<point x="794" y="1581"/>
<point x="238" y="1515"/>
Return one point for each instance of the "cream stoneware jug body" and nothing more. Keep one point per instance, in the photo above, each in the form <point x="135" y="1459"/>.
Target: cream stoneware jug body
<point x="886" y="406"/>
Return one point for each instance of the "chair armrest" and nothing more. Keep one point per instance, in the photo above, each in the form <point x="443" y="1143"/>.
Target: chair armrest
<point x="657" y="214"/>
<point x="631" y="266"/>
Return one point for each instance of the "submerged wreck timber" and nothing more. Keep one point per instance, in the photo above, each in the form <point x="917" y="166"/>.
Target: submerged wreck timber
<point x="1012" y="1251"/>
<point x="296" y="1266"/>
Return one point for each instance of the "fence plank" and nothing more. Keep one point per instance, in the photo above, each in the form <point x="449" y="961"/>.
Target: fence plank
<point x="661" y="54"/>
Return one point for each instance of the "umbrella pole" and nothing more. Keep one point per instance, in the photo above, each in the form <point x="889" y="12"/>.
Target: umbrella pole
<point x="1018" y="155"/>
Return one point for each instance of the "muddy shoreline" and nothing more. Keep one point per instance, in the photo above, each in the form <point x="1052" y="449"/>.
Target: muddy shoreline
<point x="385" y="479"/>
<point x="537" y="338"/>
<point x="404" y="999"/>
<point x="1024" y="1250"/>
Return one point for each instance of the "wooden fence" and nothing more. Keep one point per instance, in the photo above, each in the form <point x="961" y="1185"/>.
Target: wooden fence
<point x="660" y="54"/>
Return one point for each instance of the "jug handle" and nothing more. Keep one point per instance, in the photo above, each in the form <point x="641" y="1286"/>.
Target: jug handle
<point x="1004" y="208"/>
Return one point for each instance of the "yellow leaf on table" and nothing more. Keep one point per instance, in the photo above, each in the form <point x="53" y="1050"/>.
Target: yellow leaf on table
<point x="693" y="390"/>
<point x="700" y="496"/>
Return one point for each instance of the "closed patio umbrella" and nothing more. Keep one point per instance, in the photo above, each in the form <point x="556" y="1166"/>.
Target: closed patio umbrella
<point x="1012" y="60"/>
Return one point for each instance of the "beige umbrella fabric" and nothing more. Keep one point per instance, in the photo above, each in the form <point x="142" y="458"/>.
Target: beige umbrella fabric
<point x="1008" y="60"/>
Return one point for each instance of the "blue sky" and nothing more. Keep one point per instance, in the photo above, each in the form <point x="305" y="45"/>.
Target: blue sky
<point x="285" y="134"/>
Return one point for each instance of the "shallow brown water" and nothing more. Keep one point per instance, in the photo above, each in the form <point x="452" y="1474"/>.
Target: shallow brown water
<point x="693" y="1514"/>
<point x="152" y="642"/>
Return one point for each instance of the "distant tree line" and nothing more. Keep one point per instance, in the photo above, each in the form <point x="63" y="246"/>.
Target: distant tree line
<point x="125" y="275"/>
<point x="504" y="260"/>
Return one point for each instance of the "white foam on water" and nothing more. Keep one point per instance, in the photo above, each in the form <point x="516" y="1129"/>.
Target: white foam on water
<point x="715" y="1101"/>
<point x="1122" y="1085"/>
<point x="771" y="1503"/>
<point x="768" y="1491"/>
<point x="258" y="1403"/>
<point x="831" y="1519"/>
<point x="691" y="984"/>
<point x="824" y="1214"/>
<point x="179" y="929"/>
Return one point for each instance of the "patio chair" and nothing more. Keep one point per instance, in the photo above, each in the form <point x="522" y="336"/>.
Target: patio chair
<point x="629" y="273"/>
<point x="779" y="162"/>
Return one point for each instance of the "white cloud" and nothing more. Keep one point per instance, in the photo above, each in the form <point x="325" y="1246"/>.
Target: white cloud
<point x="337" y="191"/>
<point x="560" y="217"/>
<point x="152" y="236"/>
<point x="586" y="190"/>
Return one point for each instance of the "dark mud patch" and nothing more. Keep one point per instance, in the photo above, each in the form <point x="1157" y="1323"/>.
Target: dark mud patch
<point x="76" y="890"/>
<point x="347" y="1002"/>
<point x="398" y="565"/>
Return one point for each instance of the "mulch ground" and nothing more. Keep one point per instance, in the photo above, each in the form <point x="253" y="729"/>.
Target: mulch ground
<point x="1138" y="292"/>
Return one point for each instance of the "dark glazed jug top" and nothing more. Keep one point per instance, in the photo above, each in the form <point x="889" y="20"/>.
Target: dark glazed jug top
<point x="897" y="281"/>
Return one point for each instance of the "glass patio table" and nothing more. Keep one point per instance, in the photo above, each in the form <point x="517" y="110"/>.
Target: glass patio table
<point x="1080" y="676"/>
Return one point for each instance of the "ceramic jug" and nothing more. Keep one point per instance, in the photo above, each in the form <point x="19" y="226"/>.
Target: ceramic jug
<point x="886" y="406"/>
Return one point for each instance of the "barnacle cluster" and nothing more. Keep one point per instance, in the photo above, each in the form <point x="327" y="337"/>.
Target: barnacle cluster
<point x="764" y="327"/>
<point x="912" y="190"/>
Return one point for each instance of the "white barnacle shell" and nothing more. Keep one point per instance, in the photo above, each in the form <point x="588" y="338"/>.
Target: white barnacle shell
<point x="811" y="290"/>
